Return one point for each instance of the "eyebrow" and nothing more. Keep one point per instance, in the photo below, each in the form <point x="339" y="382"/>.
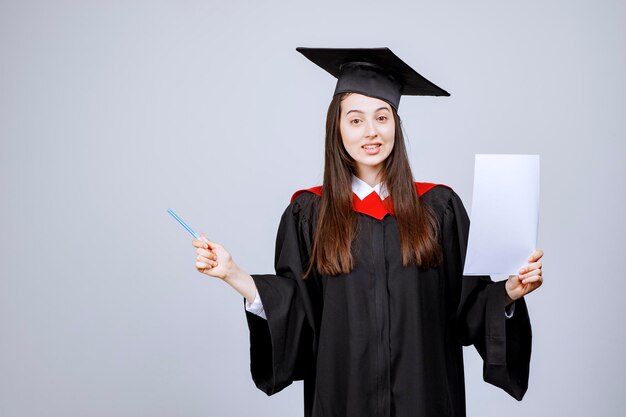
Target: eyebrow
<point x="361" y="111"/>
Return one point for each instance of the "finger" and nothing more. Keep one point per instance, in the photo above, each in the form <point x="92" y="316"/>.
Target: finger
<point x="212" y="245"/>
<point x="207" y="243"/>
<point x="206" y="253"/>
<point x="201" y="266"/>
<point x="535" y="256"/>
<point x="208" y="261"/>
<point x="199" y="243"/>
<point x="538" y="279"/>
<point x="530" y="274"/>
<point x="204" y="238"/>
<point x="203" y="259"/>
<point x="530" y="267"/>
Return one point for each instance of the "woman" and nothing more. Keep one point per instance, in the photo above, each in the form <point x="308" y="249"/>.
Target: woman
<point x="368" y="305"/>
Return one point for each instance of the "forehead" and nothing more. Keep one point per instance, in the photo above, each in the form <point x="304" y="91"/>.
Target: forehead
<point x="356" y="101"/>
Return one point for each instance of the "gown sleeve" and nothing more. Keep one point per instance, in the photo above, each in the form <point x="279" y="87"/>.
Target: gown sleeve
<point x="256" y="307"/>
<point x="504" y="344"/>
<point x="281" y="344"/>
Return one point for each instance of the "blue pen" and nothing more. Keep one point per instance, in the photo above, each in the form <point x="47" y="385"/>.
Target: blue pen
<point x="182" y="223"/>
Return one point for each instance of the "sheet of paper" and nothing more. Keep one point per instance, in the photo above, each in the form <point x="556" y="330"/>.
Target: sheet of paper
<point x="505" y="214"/>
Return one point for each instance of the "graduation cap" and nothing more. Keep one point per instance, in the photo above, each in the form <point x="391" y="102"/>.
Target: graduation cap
<point x="374" y="72"/>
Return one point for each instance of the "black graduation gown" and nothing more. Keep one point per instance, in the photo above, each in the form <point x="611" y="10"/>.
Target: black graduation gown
<point x="384" y="340"/>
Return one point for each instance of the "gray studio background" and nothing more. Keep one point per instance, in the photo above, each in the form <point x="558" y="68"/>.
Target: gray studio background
<point x="111" y="112"/>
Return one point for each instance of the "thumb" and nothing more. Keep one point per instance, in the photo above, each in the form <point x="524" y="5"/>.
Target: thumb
<point x="514" y="279"/>
<point x="204" y="238"/>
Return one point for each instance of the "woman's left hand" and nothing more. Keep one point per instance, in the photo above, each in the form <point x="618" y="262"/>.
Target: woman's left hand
<point x="528" y="280"/>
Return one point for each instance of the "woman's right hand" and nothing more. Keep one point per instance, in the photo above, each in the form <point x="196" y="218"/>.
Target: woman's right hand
<point x="212" y="259"/>
<point x="215" y="261"/>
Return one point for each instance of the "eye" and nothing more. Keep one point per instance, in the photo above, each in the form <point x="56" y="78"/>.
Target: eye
<point x="382" y="118"/>
<point x="355" y="121"/>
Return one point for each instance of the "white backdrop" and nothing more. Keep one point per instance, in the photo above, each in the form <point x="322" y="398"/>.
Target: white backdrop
<point x="113" y="111"/>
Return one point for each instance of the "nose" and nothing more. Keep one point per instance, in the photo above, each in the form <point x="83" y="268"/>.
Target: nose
<point x="371" y="129"/>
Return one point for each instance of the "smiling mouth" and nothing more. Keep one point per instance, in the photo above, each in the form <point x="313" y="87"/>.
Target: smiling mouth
<point x="371" y="147"/>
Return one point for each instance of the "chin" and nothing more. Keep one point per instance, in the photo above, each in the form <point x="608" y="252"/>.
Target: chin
<point x="374" y="162"/>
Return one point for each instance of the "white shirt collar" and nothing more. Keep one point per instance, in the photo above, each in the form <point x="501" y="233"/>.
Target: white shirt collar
<point x="363" y="189"/>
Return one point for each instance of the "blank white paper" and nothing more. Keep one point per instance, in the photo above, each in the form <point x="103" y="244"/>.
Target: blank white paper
<point x="505" y="214"/>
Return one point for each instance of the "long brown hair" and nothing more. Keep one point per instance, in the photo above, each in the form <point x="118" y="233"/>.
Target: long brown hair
<point x="336" y="222"/>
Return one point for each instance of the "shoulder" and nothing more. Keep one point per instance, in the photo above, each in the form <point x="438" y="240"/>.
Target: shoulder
<point x="423" y="188"/>
<point x="439" y="197"/>
<point x="429" y="191"/>
<point x="304" y="203"/>
<point x="317" y="190"/>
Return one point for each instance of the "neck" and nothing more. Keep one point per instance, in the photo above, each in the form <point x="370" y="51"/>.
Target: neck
<point x="371" y="175"/>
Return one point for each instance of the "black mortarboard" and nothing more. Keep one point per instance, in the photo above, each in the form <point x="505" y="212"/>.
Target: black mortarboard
<point x="374" y="72"/>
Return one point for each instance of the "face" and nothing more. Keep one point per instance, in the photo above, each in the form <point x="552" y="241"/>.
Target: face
<point x="367" y="130"/>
